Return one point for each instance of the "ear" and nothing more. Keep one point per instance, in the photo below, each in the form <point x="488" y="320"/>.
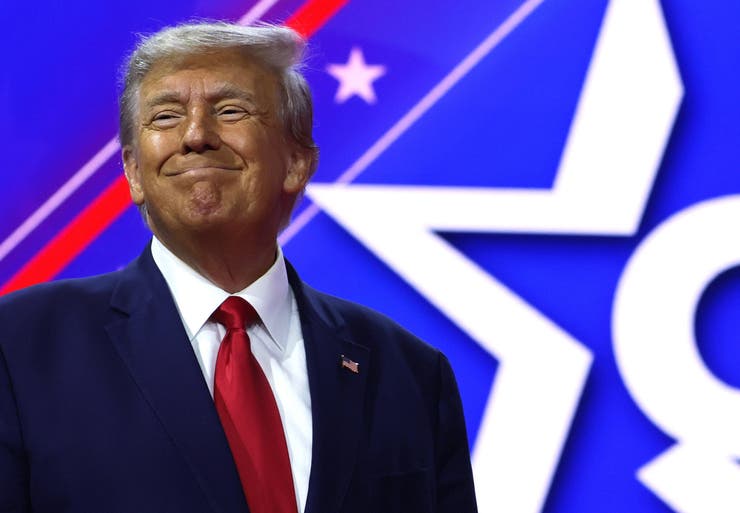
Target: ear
<point x="133" y="174"/>
<point x="301" y="165"/>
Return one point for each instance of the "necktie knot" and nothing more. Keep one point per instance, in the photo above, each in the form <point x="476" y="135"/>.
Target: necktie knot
<point x="235" y="313"/>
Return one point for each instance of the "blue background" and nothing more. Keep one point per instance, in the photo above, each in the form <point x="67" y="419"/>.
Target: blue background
<point x="503" y="125"/>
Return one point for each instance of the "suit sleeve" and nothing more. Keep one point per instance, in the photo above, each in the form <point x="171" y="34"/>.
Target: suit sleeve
<point x="455" y="489"/>
<point x="13" y="466"/>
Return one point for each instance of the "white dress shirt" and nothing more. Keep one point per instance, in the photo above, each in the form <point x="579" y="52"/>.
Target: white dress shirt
<point x="277" y="344"/>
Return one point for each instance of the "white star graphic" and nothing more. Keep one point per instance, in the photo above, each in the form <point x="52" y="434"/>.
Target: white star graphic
<point x="356" y="77"/>
<point x="542" y="368"/>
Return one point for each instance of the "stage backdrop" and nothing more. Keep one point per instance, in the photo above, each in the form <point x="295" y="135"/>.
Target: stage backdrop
<point x="548" y="191"/>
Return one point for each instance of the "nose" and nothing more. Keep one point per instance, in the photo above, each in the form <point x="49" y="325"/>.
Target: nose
<point x="201" y="133"/>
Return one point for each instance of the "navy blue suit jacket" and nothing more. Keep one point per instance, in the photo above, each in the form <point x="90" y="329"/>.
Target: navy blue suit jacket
<point x="104" y="409"/>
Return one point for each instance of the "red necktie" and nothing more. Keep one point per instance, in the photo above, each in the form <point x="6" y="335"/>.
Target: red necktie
<point x="249" y="415"/>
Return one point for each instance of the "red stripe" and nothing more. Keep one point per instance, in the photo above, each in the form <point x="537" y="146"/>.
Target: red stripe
<point x="113" y="201"/>
<point x="74" y="238"/>
<point x="312" y="15"/>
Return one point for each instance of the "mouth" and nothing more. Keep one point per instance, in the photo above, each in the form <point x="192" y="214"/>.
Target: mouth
<point x="202" y="170"/>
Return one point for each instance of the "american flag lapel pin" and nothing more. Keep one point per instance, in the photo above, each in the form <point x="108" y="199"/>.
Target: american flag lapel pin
<point x="350" y="365"/>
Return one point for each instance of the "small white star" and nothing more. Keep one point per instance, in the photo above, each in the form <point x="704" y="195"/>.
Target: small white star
<point x="356" y="77"/>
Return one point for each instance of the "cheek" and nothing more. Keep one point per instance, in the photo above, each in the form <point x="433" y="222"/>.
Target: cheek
<point x="253" y="140"/>
<point x="245" y="143"/>
<point x="155" y="149"/>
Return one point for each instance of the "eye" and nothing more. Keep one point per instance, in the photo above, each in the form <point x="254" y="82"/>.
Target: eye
<point x="166" y="119"/>
<point x="232" y="113"/>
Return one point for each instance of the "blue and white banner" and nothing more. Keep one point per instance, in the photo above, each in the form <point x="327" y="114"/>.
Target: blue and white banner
<point x="546" y="190"/>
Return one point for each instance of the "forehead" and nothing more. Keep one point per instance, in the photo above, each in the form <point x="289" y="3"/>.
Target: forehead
<point x="211" y="74"/>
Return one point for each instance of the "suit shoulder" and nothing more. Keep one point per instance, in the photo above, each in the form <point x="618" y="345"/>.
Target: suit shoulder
<point x="350" y="312"/>
<point x="371" y="328"/>
<point x="58" y="297"/>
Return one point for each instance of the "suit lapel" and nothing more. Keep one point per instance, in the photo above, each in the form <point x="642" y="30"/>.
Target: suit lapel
<point x="337" y="400"/>
<point x="152" y="342"/>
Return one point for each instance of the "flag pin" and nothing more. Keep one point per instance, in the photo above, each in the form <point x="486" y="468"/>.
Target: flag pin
<point x="350" y="365"/>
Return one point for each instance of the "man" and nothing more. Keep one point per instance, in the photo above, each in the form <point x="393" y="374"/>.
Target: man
<point x="140" y="391"/>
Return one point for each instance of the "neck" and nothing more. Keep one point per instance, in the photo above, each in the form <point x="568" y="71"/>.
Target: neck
<point x="231" y="263"/>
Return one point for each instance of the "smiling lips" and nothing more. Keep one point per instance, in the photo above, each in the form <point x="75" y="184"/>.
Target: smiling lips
<point x="202" y="168"/>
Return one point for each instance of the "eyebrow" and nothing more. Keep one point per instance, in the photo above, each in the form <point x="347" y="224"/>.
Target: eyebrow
<point x="162" y="98"/>
<point x="222" y="92"/>
<point x="230" y="91"/>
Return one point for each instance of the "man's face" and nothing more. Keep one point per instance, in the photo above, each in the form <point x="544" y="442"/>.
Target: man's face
<point x="210" y="155"/>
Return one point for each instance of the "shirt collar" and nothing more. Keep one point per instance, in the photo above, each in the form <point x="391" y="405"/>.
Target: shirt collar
<point x="197" y="298"/>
